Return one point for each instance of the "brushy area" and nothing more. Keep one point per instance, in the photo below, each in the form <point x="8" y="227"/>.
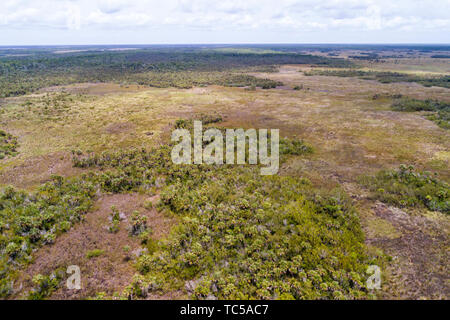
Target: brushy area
<point x="441" y="110"/>
<point x="48" y="107"/>
<point x="256" y="238"/>
<point x="241" y="235"/>
<point x="30" y="220"/>
<point x="8" y="145"/>
<point x="45" y="285"/>
<point x="294" y="147"/>
<point x="406" y="187"/>
<point x="385" y="77"/>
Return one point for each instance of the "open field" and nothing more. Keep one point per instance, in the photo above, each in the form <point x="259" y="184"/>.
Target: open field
<point x="353" y="135"/>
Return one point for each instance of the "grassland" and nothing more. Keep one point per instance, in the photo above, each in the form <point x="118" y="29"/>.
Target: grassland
<point x="320" y="222"/>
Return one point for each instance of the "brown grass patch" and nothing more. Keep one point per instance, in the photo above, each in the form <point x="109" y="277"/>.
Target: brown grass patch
<point x="37" y="170"/>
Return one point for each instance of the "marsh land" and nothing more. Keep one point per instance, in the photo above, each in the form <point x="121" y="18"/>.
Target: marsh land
<point x="86" y="177"/>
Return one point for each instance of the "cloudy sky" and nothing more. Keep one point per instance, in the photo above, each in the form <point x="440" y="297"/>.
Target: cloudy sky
<point x="221" y="21"/>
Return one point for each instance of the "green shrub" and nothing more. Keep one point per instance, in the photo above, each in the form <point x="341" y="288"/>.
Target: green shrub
<point x="138" y="224"/>
<point x="114" y="220"/>
<point x="45" y="285"/>
<point x="8" y="145"/>
<point x="405" y="187"/>
<point x="294" y="147"/>
<point x="94" y="253"/>
<point x="441" y="110"/>
<point x="242" y="235"/>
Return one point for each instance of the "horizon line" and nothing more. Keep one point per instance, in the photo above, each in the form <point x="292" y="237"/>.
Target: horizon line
<point x="230" y="43"/>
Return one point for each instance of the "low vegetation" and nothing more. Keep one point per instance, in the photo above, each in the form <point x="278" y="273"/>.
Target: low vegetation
<point x="45" y="285"/>
<point x="294" y="147"/>
<point x="94" y="253"/>
<point x="8" y="145"/>
<point x="406" y="187"/>
<point x="30" y="220"/>
<point x="242" y="236"/>
<point x="385" y="76"/>
<point x="441" y="110"/>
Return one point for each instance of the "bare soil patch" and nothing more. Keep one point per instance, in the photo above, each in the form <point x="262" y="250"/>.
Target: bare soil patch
<point x="96" y="89"/>
<point x="37" y="170"/>
<point x="419" y="268"/>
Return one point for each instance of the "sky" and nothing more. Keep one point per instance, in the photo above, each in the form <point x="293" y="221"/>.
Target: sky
<point x="75" y="22"/>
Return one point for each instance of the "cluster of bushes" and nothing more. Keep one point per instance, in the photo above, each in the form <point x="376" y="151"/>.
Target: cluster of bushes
<point x="287" y="146"/>
<point x="441" y="110"/>
<point x="246" y="237"/>
<point x="8" y="145"/>
<point x="410" y="105"/>
<point x="406" y="187"/>
<point x="385" y="77"/>
<point x="294" y="146"/>
<point x="45" y="285"/>
<point x="30" y="220"/>
<point x="243" y="235"/>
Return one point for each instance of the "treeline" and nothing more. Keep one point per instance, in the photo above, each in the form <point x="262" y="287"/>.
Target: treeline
<point x="386" y="77"/>
<point x="24" y="74"/>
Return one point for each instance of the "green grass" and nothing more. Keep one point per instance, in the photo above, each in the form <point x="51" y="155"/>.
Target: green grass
<point x="94" y="253"/>
<point x="45" y="285"/>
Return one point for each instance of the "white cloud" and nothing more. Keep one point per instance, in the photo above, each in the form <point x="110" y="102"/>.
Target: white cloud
<point x="235" y="15"/>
